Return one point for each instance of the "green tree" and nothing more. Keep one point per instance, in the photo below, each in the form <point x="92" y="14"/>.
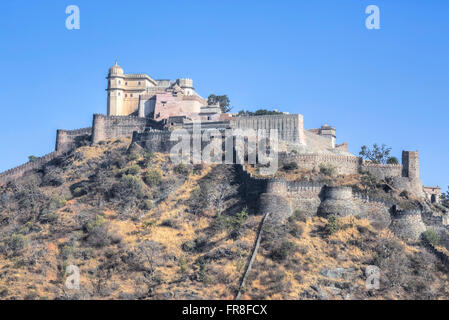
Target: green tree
<point x="376" y="154"/>
<point x="223" y="101"/>
<point x="392" y="160"/>
<point x="259" y="112"/>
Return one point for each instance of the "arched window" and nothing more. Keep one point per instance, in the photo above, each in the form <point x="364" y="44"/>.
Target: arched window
<point x="119" y="94"/>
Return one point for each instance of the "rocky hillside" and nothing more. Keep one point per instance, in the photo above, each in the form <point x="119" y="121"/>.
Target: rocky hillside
<point x="139" y="227"/>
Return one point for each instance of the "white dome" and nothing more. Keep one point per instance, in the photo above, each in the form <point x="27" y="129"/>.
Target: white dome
<point x="115" y="70"/>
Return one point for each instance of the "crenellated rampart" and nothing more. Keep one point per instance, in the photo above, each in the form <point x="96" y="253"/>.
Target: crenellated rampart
<point x="19" y="171"/>
<point x="67" y="140"/>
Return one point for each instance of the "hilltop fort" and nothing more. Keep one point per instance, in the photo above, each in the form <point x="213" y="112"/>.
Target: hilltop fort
<point x="148" y="110"/>
<point x="112" y="200"/>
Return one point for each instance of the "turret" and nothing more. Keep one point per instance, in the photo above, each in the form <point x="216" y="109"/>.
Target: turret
<point x="328" y="132"/>
<point x="115" y="90"/>
<point x="186" y="84"/>
<point x="410" y="164"/>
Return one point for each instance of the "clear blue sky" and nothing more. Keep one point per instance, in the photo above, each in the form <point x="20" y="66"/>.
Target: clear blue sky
<point x="315" y="58"/>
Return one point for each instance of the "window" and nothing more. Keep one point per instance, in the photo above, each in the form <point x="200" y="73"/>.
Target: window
<point x="119" y="82"/>
<point x="119" y="94"/>
<point x="126" y="95"/>
<point x="139" y="83"/>
<point x="126" y="83"/>
<point x="131" y="94"/>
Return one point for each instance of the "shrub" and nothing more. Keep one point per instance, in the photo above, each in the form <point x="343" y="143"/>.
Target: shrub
<point x="78" y="192"/>
<point x="133" y="155"/>
<point x="149" y="224"/>
<point x="232" y="223"/>
<point x="153" y="178"/>
<point x="57" y="202"/>
<point x="98" y="237"/>
<point x="52" y="177"/>
<point x="368" y="181"/>
<point x="196" y="245"/>
<point x="148" y="204"/>
<point x="333" y="225"/>
<point x="182" y="263"/>
<point x="327" y="170"/>
<point x="29" y="198"/>
<point x="132" y="170"/>
<point x="28" y="228"/>
<point x="114" y="159"/>
<point x="16" y="242"/>
<point x="148" y="158"/>
<point x="49" y="214"/>
<point x="404" y="194"/>
<point x="93" y="223"/>
<point x="392" y="260"/>
<point x="281" y="252"/>
<point x="97" y="232"/>
<point x="296" y="230"/>
<point x="188" y="246"/>
<point x="290" y="166"/>
<point x="181" y="169"/>
<point x="170" y="223"/>
<point x="299" y="215"/>
<point x="430" y="237"/>
<point x="200" y="198"/>
<point x="128" y="190"/>
<point x="198" y="168"/>
<point x="67" y="251"/>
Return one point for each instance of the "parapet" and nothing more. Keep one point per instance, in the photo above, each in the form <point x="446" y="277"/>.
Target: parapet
<point x="19" y="171"/>
<point x="277" y="186"/>
<point x="67" y="140"/>
<point x="108" y="127"/>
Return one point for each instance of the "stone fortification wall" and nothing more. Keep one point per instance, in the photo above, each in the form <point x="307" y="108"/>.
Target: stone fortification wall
<point x="342" y="164"/>
<point x="408" y="224"/>
<point x="290" y="126"/>
<point x="67" y="140"/>
<point x="382" y="171"/>
<point x="155" y="141"/>
<point x="107" y="127"/>
<point x="305" y="196"/>
<point x="338" y="201"/>
<point x="19" y="171"/>
<point x="404" y="177"/>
